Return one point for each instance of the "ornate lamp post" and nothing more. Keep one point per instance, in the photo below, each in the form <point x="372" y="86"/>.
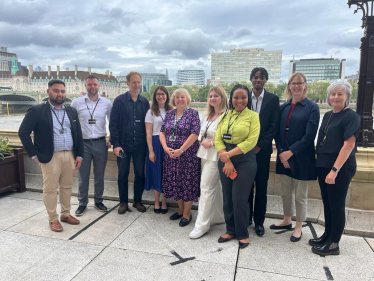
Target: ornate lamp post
<point x="366" y="77"/>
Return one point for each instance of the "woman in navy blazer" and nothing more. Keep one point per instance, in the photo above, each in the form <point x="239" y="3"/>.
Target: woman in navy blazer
<point x="299" y="119"/>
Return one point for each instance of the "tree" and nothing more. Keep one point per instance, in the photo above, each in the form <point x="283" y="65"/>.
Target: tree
<point x="147" y="95"/>
<point x="317" y="91"/>
<point x="279" y="90"/>
<point x="202" y="94"/>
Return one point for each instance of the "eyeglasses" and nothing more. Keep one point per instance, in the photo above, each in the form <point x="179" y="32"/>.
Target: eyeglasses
<point x="297" y="84"/>
<point x="160" y="94"/>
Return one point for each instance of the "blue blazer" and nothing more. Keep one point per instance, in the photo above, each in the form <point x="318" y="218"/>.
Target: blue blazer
<point x="302" y="132"/>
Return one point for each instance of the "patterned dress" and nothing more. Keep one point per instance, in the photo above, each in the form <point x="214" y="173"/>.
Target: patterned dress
<point x="181" y="176"/>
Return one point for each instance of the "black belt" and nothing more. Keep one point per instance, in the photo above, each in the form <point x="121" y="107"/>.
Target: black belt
<point x="101" y="138"/>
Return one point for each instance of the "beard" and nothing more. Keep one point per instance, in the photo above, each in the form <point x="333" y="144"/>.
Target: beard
<point x="57" y="101"/>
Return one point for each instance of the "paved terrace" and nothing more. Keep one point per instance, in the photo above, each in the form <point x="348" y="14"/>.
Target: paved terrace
<point x="148" y="246"/>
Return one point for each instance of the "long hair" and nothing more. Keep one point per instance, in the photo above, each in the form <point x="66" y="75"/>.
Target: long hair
<point x="155" y="110"/>
<point x="223" y="106"/>
<point x="231" y="107"/>
<point x="287" y="92"/>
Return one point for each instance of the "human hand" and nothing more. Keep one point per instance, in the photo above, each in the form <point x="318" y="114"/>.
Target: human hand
<point x="228" y="169"/>
<point x="223" y="156"/>
<point x="152" y="157"/>
<point x="169" y="151"/>
<point x="207" y="144"/>
<point x="117" y="150"/>
<point x="286" y="164"/>
<point x="37" y="160"/>
<point x="257" y="149"/>
<point x="330" y="178"/>
<point x="284" y="156"/>
<point x="108" y="144"/>
<point x="78" y="163"/>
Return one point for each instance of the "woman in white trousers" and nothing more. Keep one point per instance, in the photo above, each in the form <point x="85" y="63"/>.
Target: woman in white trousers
<point x="211" y="202"/>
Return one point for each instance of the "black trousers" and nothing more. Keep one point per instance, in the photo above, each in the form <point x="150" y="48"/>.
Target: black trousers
<point x="236" y="193"/>
<point x="261" y="184"/>
<point x="333" y="196"/>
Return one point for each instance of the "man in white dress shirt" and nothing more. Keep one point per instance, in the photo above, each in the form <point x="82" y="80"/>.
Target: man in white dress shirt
<point x="93" y="112"/>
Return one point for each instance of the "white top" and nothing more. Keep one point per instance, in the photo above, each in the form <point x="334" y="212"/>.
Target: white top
<point x="256" y="103"/>
<point x="211" y="152"/>
<point x="103" y="108"/>
<point x="155" y="120"/>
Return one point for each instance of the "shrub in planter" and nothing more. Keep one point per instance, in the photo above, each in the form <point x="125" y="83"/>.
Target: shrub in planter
<point x="5" y="149"/>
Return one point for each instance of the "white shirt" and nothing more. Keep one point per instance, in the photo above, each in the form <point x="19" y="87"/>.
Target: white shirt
<point x="103" y="108"/>
<point x="155" y="120"/>
<point x="256" y="103"/>
<point x="211" y="152"/>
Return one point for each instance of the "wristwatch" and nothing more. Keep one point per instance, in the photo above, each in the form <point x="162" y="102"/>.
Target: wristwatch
<point x="336" y="170"/>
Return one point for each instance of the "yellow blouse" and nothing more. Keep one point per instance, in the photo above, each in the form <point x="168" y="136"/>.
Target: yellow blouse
<point x="244" y="130"/>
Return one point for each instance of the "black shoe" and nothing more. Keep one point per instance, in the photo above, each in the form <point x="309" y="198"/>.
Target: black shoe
<point x="295" y="239"/>
<point x="164" y="211"/>
<point x="175" y="216"/>
<point x="81" y="210"/>
<point x="326" y="249"/>
<point x="157" y="211"/>
<point x="319" y="241"/>
<point x="243" y="245"/>
<point x="260" y="231"/>
<point x="101" y="207"/>
<point x="223" y="239"/>
<point x="184" y="221"/>
<point x="288" y="226"/>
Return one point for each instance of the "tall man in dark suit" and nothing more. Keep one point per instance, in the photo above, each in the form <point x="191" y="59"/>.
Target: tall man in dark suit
<point x="57" y="148"/>
<point x="128" y="136"/>
<point x="267" y="106"/>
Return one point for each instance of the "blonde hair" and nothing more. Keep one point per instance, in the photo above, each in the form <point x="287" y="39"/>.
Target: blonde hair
<point x="223" y="106"/>
<point x="177" y="92"/>
<point x="287" y="92"/>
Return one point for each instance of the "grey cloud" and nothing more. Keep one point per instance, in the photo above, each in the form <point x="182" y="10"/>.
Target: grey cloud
<point x="190" y="44"/>
<point x="348" y="40"/>
<point x="243" y="32"/>
<point x="22" y="12"/>
<point x="107" y="27"/>
<point x="83" y="63"/>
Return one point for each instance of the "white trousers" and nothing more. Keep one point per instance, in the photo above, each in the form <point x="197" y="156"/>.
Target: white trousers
<point x="211" y="200"/>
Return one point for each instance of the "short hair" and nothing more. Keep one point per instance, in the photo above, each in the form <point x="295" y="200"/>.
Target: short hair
<point x="91" y="76"/>
<point x="237" y="86"/>
<point x="155" y="110"/>
<point x="177" y="92"/>
<point x="131" y="73"/>
<point x="223" y="106"/>
<point x="262" y="70"/>
<point x="52" y="82"/>
<point x="340" y="85"/>
<point x="287" y="92"/>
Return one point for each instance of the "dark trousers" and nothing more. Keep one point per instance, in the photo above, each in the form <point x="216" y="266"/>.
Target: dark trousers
<point x="261" y="183"/>
<point x="236" y="193"/>
<point x="333" y="196"/>
<point x="138" y="154"/>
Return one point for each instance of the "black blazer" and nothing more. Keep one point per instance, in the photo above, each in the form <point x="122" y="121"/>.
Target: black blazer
<point x="39" y="120"/>
<point x="269" y="121"/>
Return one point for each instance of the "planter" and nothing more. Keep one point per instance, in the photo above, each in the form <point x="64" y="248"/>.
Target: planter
<point x="12" y="172"/>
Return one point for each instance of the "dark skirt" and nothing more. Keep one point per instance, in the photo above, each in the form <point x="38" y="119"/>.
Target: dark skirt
<point x="153" y="173"/>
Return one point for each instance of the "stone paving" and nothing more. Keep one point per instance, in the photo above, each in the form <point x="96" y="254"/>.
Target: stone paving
<point x="149" y="246"/>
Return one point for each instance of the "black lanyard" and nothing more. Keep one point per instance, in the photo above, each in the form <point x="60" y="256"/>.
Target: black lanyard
<point x="326" y="128"/>
<point x="256" y="105"/>
<point x="229" y="125"/>
<point x="208" y="125"/>
<point x="162" y="117"/>
<point x="63" y="118"/>
<point x="94" y="108"/>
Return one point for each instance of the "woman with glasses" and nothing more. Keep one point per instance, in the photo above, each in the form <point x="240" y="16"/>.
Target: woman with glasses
<point x="155" y="154"/>
<point x="181" y="171"/>
<point x="210" y="203"/>
<point x="299" y="118"/>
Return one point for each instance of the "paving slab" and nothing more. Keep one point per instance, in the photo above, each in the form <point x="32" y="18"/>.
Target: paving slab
<point x="370" y="241"/>
<point x="156" y="233"/>
<point x="119" y="264"/>
<point x="360" y="222"/>
<point x="274" y="253"/>
<point x="38" y="224"/>
<point x="243" y="274"/>
<point x="15" y="210"/>
<point x="26" y="257"/>
<point x="355" y="262"/>
<point x="27" y="195"/>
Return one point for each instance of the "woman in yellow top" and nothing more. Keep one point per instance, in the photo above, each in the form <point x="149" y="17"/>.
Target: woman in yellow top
<point x="236" y="137"/>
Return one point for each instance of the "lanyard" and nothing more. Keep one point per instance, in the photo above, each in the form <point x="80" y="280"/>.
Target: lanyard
<point x="172" y="136"/>
<point x="162" y="118"/>
<point x="94" y="108"/>
<point x="256" y="105"/>
<point x="63" y="118"/>
<point x="229" y="125"/>
<point x="208" y="125"/>
<point x="325" y="130"/>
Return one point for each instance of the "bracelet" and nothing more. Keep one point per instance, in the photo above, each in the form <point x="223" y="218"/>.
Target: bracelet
<point x="212" y="143"/>
<point x="181" y="150"/>
<point x="227" y="155"/>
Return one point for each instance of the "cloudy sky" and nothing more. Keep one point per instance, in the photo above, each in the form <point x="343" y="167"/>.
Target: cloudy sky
<point x="155" y="35"/>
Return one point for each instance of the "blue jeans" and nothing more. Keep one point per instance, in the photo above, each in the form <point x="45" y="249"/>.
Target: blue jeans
<point x="138" y="154"/>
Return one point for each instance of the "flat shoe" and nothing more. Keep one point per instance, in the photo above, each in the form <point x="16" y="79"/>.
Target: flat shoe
<point x="164" y="211"/>
<point x="175" y="216"/>
<point x="157" y="211"/>
<point x="183" y="222"/>
<point x="288" y="226"/>
<point x="295" y="239"/>
<point x="243" y="245"/>
<point x="223" y="239"/>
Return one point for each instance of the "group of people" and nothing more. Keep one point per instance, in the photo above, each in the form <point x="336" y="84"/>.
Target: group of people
<point x="221" y="157"/>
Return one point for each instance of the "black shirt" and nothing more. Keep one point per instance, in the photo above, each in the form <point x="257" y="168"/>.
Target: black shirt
<point x="135" y="131"/>
<point x="339" y="128"/>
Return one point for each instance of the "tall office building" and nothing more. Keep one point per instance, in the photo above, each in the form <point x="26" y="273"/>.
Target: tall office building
<point x="196" y="77"/>
<point x="6" y="59"/>
<point x="236" y="66"/>
<point x="329" y="69"/>
<point x="150" y="79"/>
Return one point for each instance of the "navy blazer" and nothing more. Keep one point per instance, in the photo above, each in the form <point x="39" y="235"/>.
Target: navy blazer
<point x="39" y="120"/>
<point x="118" y="118"/>
<point x="302" y="132"/>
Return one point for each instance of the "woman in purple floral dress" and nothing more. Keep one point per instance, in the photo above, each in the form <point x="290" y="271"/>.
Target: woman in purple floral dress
<point x="181" y="171"/>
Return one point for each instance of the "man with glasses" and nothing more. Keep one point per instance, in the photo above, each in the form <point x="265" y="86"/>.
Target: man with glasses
<point x="57" y="148"/>
<point x="267" y="106"/>
<point x="128" y="136"/>
<point x="93" y="111"/>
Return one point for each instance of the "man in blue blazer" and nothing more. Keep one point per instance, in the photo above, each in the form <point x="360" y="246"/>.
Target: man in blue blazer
<point x="57" y="148"/>
<point x="267" y="106"/>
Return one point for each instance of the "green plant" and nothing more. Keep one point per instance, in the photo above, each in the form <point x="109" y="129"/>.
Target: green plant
<point x="5" y="149"/>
